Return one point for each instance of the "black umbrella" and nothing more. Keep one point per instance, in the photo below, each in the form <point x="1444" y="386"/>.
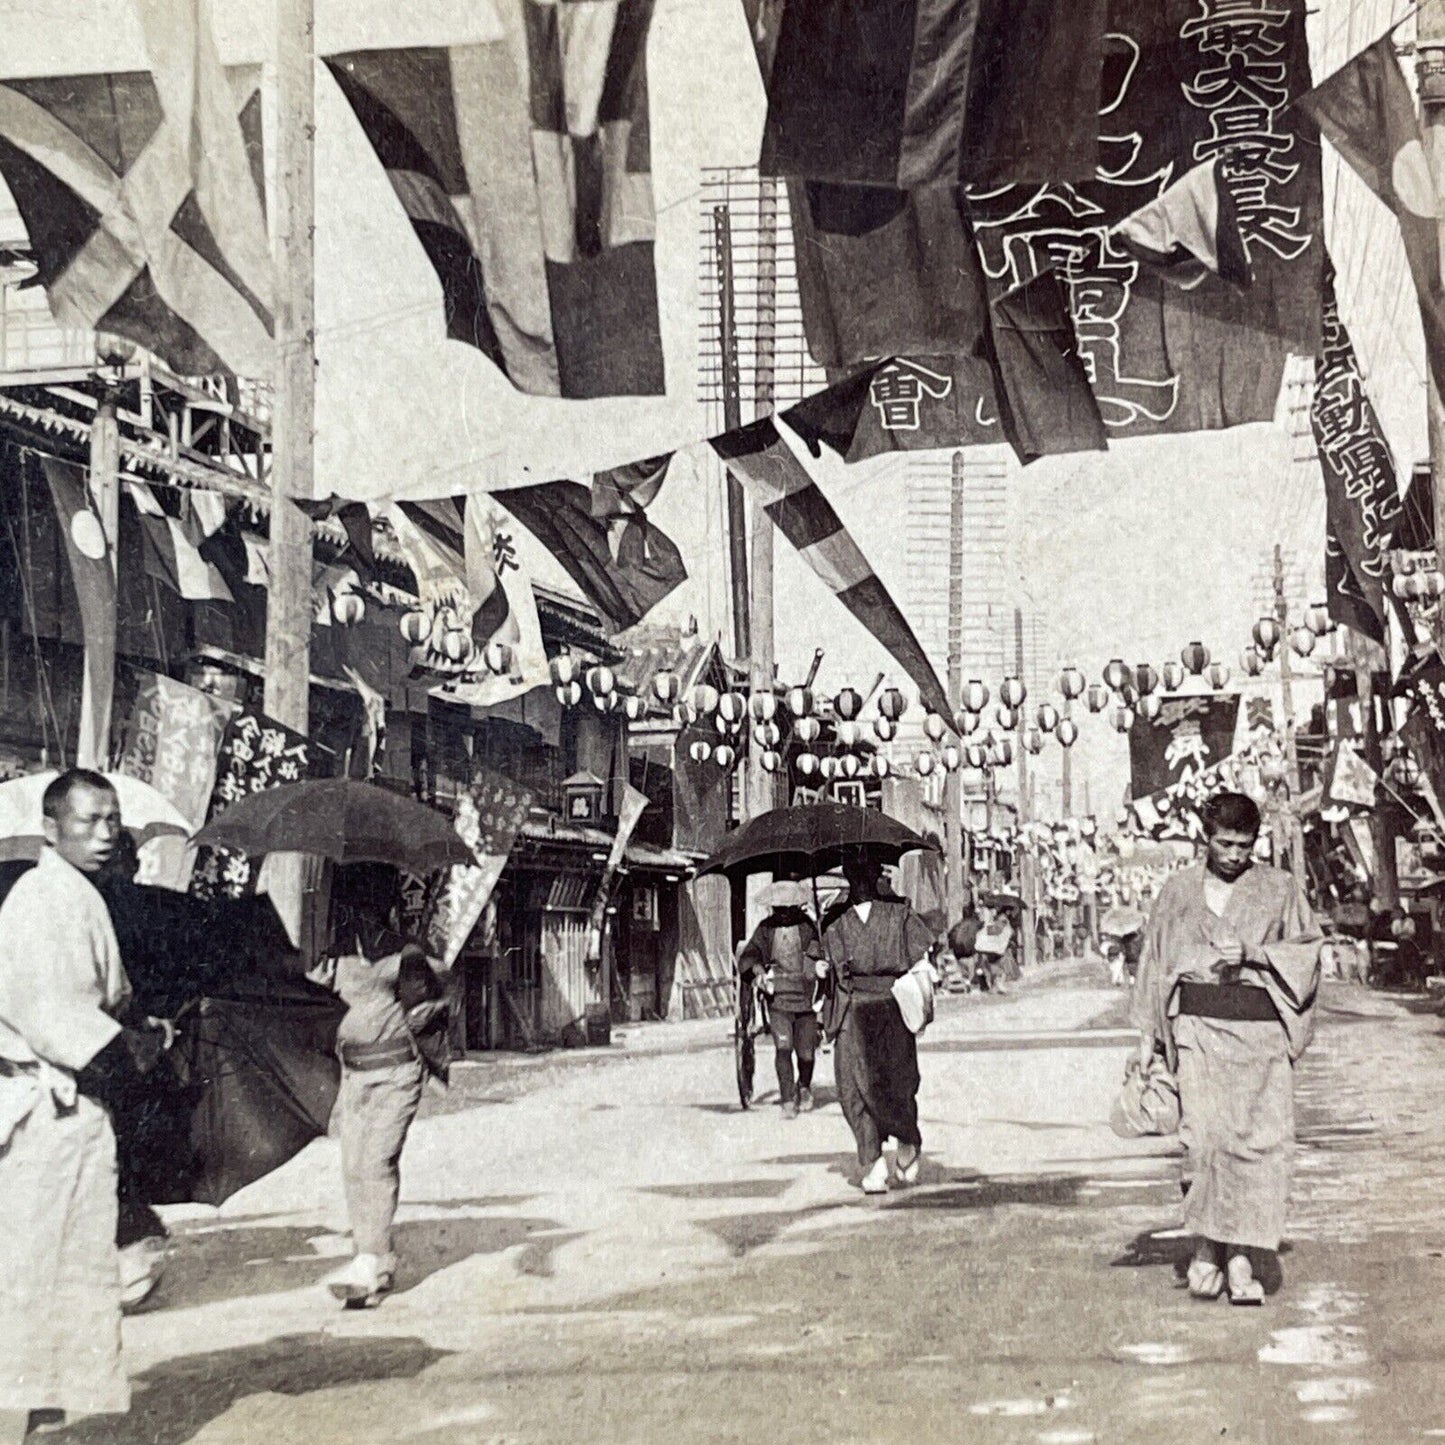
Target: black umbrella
<point x="341" y="819"/>
<point x="805" y="841"/>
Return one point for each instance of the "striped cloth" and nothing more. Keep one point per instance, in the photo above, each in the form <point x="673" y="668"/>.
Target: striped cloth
<point x="763" y="463"/>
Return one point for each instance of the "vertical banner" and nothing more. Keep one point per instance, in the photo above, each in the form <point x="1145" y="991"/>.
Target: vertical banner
<point x="490" y="814"/>
<point x="256" y="753"/>
<point x="1185" y="82"/>
<point x="1189" y="736"/>
<point x="634" y="804"/>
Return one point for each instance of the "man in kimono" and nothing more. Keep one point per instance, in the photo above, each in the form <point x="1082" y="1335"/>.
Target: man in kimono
<point x="61" y="1051"/>
<point x="1227" y="983"/>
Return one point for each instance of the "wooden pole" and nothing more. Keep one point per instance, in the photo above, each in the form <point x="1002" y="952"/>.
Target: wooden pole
<point x="1294" y="833"/>
<point x="1026" y="862"/>
<point x="1430" y="74"/>
<point x="737" y="517"/>
<point x="288" y="598"/>
<point x="953" y="782"/>
<point x="98" y="679"/>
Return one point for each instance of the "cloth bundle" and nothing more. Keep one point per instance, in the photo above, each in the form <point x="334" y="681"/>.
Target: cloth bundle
<point x="913" y="993"/>
<point x="1148" y="1101"/>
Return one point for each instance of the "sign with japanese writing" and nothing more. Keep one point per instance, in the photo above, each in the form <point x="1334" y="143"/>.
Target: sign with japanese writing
<point x="256" y="753"/>
<point x="1184" y="82"/>
<point x="490" y="814"/>
<point x="173" y="740"/>
<point x="1188" y="737"/>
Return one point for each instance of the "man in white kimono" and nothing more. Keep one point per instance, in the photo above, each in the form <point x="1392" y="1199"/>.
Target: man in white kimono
<point x="1227" y="983"/>
<point x="61" y="984"/>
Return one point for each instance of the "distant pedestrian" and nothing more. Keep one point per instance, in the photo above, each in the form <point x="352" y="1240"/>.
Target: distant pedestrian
<point x="868" y="944"/>
<point x="995" y="944"/>
<point x="963" y="943"/>
<point x="780" y="957"/>
<point x="392" y="1035"/>
<point x="63" y="1055"/>
<point x="1226" y="990"/>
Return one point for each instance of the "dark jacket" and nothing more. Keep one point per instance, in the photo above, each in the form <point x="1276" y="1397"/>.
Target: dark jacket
<point x="786" y="941"/>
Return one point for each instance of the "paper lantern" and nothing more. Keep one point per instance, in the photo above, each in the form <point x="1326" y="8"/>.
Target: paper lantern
<point x="885" y="729"/>
<point x="806" y="764"/>
<point x="1251" y="661"/>
<point x="1266" y="635"/>
<point x="1096" y="699"/>
<point x="849" y="765"/>
<point x="1006" y="717"/>
<point x="976" y="755"/>
<point x="1123" y="719"/>
<point x="705" y="699"/>
<point x="1072" y="683"/>
<point x="564" y="668"/>
<point x="732" y="708"/>
<point x="634" y="708"/>
<point x="1405" y="586"/>
<point x="848" y="733"/>
<point x="1173" y="675"/>
<point x="848" y="704"/>
<point x="767" y="734"/>
<point x="569" y="694"/>
<point x="1317" y="619"/>
<point x="975" y="695"/>
<point x="1012" y="692"/>
<point x="951" y="758"/>
<point x="880" y="765"/>
<point x="1218" y="675"/>
<point x="1116" y="673"/>
<point x="1302" y="640"/>
<point x="828" y="767"/>
<point x="498" y="659"/>
<point x="806" y="729"/>
<point x="1128" y="694"/>
<point x="724" y="756"/>
<point x="892" y="704"/>
<point x="1434" y="583"/>
<point x="763" y="706"/>
<point x="699" y="750"/>
<point x="1046" y="717"/>
<point x="601" y="681"/>
<point x="800" y="701"/>
<point x="1150" y="707"/>
<point x="1067" y="732"/>
<point x="1033" y="740"/>
<point x="456" y="645"/>
<point x="967" y="723"/>
<point x="612" y="702"/>
<point x="1195" y="657"/>
<point x="666" y="688"/>
<point x="1001" y="752"/>
<point x="1146" y="678"/>
<point x="415" y="628"/>
<point x="924" y="765"/>
<point x="348" y="608"/>
<point x="934" y="726"/>
<point x="770" y="760"/>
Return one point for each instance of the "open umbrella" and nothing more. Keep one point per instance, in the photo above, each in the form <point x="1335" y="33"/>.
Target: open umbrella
<point x="144" y="812"/>
<point x="813" y="839"/>
<point x="341" y="819"/>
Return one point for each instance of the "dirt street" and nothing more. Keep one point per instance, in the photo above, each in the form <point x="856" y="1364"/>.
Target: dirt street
<point x="608" y="1249"/>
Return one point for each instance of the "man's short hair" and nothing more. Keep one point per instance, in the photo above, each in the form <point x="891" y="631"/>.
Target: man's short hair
<point x="1231" y="812"/>
<point x="58" y="793"/>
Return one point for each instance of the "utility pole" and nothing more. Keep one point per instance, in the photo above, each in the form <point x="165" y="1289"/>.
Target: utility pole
<point x="953" y="782"/>
<point x="761" y="792"/>
<point x="98" y="679"/>
<point x="737" y="516"/>
<point x="1066" y="778"/>
<point x="1293" y="833"/>
<point x="1026" y="862"/>
<point x="288" y="599"/>
<point x="1430" y="75"/>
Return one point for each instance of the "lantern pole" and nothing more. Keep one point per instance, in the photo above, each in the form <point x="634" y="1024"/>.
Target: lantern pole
<point x="1026" y="862"/>
<point x="737" y="512"/>
<point x="1294" y="833"/>
<point x="953" y="831"/>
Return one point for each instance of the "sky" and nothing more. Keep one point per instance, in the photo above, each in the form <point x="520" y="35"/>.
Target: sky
<point x="1132" y="553"/>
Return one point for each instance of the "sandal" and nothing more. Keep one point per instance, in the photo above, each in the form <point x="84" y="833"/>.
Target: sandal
<point x="907" y="1174"/>
<point x="1206" y="1279"/>
<point x="1246" y="1291"/>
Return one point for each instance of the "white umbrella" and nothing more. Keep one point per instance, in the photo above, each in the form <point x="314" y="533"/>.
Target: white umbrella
<point x="144" y="812"/>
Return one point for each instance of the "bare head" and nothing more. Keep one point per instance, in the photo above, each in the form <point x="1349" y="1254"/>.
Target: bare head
<point x="1231" y="829"/>
<point x="81" y="817"/>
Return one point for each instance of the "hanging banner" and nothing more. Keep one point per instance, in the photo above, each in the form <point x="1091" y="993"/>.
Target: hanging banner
<point x="173" y="742"/>
<point x="1185" y="82"/>
<point x="1362" y="493"/>
<point x="490" y="814"/>
<point x="1189" y="736"/>
<point x="256" y="753"/>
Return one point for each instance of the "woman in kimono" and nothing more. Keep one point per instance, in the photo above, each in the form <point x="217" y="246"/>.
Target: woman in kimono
<point x="868" y="944"/>
<point x="1226" y="990"/>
